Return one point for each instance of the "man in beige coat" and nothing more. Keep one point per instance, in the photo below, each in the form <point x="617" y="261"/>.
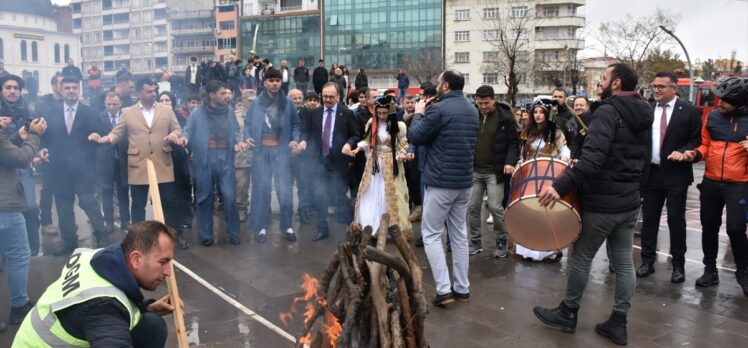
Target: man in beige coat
<point x="149" y="128"/>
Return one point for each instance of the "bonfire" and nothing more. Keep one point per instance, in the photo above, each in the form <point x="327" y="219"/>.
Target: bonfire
<point x="366" y="297"/>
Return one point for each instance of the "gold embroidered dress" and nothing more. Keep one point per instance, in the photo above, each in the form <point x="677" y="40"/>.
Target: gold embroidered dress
<point x="382" y="192"/>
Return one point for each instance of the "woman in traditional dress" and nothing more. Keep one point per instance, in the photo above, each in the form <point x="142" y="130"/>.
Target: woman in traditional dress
<point x="383" y="188"/>
<point x="541" y="137"/>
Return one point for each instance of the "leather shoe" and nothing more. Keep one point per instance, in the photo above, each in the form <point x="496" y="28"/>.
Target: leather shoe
<point x="320" y="236"/>
<point x="645" y="270"/>
<point x="17" y="314"/>
<point x="207" y="242"/>
<point x="235" y="240"/>
<point x="261" y="238"/>
<point x="291" y="237"/>
<point x="678" y="276"/>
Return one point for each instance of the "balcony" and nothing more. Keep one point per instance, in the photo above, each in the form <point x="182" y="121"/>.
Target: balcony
<point x="193" y="49"/>
<point x="561" y="2"/>
<point x="272" y="8"/>
<point x="173" y="15"/>
<point x="560" y="21"/>
<point x="558" y="43"/>
<point x="192" y="31"/>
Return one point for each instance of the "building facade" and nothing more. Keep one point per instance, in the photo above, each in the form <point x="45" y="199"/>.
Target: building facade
<point x="542" y="36"/>
<point x="227" y="33"/>
<point x="31" y="44"/>
<point x="192" y="26"/>
<point x="129" y="33"/>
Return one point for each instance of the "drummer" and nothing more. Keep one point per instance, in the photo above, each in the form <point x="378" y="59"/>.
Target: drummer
<point x="541" y="137"/>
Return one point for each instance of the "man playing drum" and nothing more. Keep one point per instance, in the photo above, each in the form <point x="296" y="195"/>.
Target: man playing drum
<point x="608" y="177"/>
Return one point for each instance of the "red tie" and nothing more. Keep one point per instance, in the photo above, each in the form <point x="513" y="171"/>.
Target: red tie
<point x="663" y="123"/>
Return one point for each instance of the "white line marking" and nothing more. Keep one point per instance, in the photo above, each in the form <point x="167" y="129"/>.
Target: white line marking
<point x="689" y="260"/>
<point x="235" y="303"/>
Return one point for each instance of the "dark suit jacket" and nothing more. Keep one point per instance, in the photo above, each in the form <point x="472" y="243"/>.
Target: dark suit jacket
<point x="72" y="157"/>
<point x="198" y="78"/>
<point x="345" y="131"/>
<point x="105" y="155"/>
<point x="683" y="133"/>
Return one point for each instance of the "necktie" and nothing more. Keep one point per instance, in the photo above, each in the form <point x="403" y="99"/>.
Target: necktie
<point x="114" y="120"/>
<point x="326" y="134"/>
<point x="663" y="123"/>
<point x="69" y="120"/>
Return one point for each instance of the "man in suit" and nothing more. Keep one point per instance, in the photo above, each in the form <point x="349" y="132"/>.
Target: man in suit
<point x="331" y="134"/>
<point x="112" y="164"/>
<point x="149" y="128"/>
<point x="193" y="76"/>
<point x="676" y="127"/>
<point x="320" y="76"/>
<point x="72" y="160"/>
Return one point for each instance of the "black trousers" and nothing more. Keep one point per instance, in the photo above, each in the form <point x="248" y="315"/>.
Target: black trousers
<point x="714" y="197"/>
<point x="139" y="195"/>
<point x="330" y="188"/>
<point x="413" y="179"/>
<point x="123" y="197"/>
<point x="64" y="196"/>
<point x="151" y="332"/>
<point x="657" y="193"/>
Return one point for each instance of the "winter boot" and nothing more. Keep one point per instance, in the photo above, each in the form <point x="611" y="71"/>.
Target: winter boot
<point x="709" y="277"/>
<point x="614" y="328"/>
<point x="561" y="317"/>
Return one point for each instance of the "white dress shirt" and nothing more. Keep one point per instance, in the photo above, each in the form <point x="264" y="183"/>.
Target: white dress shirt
<point x="148" y="114"/>
<point x="193" y="74"/>
<point x="656" y="128"/>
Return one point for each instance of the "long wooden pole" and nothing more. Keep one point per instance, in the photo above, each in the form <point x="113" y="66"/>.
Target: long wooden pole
<point x="171" y="281"/>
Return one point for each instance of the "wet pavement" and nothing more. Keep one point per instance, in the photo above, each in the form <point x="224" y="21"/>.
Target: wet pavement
<point x="233" y="294"/>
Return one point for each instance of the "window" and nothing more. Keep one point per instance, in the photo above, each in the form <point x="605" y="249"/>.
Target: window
<point x="77" y="23"/>
<point x="462" y="36"/>
<point x="490" y="12"/>
<point x="109" y="65"/>
<point x="227" y="8"/>
<point x="549" y="56"/>
<point x="159" y="13"/>
<point x="227" y="25"/>
<point x="491" y="35"/>
<point x="57" y="53"/>
<point x="106" y="4"/>
<point x="147" y="16"/>
<point x="519" y="11"/>
<point x="135" y="33"/>
<point x="491" y="78"/>
<point x="462" y="57"/>
<point x="491" y="56"/>
<point x="467" y="78"/>
<point x="162" y="62"/>
<point x="34" y="52"/>
<point x="108" y="50"/>
<point x="120" y="18"/>
<point x="572" y="10"/>
<point x="76" y="7"/>
<point x="24" y="57"/>
<point x="107" y="19"/>
<point x="462" y="15"/>
<point x="550" y="11"/>
<point x="226" y="43"/>
<point x="66" y="51"/>
<point x="108" y="35"/>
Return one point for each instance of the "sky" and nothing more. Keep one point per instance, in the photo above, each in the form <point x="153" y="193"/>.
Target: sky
<point x="708" y="28"/>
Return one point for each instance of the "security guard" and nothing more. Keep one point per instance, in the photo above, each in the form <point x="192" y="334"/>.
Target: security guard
<point x="97" y="300"/>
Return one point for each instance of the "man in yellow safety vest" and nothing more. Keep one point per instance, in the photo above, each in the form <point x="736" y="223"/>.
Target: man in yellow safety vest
<point x="97" y="300"/>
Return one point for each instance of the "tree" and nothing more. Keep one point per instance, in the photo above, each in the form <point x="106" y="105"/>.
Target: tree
<point x="508" y="36"/>
<point x="708" y="70"/>
<point x="633" y="39"/>
<point x="425" y="65"/>
<point x="660" y="60"/>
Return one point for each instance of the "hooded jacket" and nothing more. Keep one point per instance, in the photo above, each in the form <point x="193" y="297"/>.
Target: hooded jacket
<point x="104" y="322"/>
<point x="726" y="160"/>
<point x="613" y="157"/>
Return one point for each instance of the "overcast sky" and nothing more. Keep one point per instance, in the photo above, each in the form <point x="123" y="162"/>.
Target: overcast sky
<point x="708" y="28"/>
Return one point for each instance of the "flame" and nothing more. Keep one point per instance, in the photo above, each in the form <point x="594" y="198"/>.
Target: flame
<point x="333" y="329"/>
<point x="331" y="326"/>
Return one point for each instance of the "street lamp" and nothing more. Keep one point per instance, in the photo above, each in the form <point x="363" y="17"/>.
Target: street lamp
<point x="688" y="58"/>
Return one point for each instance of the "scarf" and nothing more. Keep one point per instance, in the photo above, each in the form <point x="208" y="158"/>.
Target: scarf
<point x="218" y="122"/>
<point x="272" y="110"/>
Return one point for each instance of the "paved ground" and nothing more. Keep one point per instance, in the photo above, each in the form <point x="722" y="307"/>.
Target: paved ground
<point x="233" y="295"/>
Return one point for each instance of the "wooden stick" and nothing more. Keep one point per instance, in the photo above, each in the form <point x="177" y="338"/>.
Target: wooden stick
<point x="171" y="281"/>
<point x="375" y="287"/>
<point x="409" y="336"/>
<point x="420" y="307"/>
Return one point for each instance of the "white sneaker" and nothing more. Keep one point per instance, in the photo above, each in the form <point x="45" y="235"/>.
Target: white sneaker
<point x="490" y="219"/>
<point x="263" y="231"/>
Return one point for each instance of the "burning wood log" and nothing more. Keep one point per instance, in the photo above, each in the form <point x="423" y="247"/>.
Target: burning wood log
<point x="366" y="296"/>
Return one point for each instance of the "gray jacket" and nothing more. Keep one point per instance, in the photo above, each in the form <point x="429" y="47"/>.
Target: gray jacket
<point x="12" y="157"/>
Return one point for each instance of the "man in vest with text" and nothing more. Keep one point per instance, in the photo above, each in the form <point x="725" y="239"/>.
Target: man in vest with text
<point x="97" y="299"/>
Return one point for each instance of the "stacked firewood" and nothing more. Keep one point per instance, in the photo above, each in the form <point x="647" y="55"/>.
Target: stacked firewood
<point x="368" y="297"/>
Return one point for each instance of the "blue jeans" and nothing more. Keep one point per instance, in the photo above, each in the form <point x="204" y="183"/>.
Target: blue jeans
<point x="618" y="229"/>
<point x="268" y="163"/>
<point x="15" y="248"/>
<point x="220" y="168"/>
<point x="26" y="176"/>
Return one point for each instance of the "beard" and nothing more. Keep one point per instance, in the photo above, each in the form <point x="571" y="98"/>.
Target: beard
<point x="607" y="92"/>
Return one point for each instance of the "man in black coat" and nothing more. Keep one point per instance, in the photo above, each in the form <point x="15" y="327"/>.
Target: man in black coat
<point x="72" y="71"/>
<point x="676" y="127"/>
<point x="193" y="76"/>
<point x="72" y="159"/>
<point x="111" y="162"/>
<point x="320" y="76"/>
<point x="301" y="76"/>
<point x="608" y="178"/>
<point x="331" y="134"/>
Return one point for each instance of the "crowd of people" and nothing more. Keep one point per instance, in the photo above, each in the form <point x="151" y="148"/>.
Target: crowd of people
<point x="243" y="132"/>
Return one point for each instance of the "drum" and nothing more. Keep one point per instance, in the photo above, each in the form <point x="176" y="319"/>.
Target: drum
<point x="530" y="224"/>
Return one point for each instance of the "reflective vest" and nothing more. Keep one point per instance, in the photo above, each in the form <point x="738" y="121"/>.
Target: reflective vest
<point x="78" y="283"/>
